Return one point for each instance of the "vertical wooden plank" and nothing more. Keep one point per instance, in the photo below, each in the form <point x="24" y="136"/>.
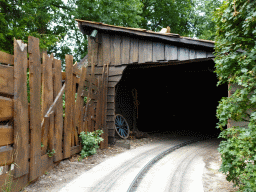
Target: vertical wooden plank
<point x="200" y="54"/>
<point x="100" y="50"/>
<point x="209" y="54"/>
<point x="142" y="51"/>
<point x="21" y="126"/>
<point x="78" y="113"/>
<point x="89" y="51"/>
<point x="68" y="107"/>
<point x="192" y="54"/>
<point x="74" y="132"/>
<point x="58" y="118"/>
<point x="134" y="51"/>
<point x="104" y="106"/>
<point x="106" y="46"/>
<point x="35" y="107"/>
<point x="125" y="50"/>
<point x="116" y="50"/>
<point x="47" y="98"/>
<point x="158" y="51"/>
<point x="183" y="53"/>
<point x="171" y="52"/>
<point x="51" y="138"/>
<point x="99" y="105"/>
<point x="148" y="51"/>
<point x="94" y="50"/>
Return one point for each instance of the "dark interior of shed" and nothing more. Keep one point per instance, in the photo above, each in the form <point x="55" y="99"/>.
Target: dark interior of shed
<point x="177" y="98"/>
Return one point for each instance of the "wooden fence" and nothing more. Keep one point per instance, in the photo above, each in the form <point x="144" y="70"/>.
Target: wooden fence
<point x="32" y="128"/>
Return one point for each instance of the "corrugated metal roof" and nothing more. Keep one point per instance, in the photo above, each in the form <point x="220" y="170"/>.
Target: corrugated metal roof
<point x="143" y="30"/>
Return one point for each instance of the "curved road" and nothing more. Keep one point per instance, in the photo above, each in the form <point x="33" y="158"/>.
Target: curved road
<point x="181" y="170"/>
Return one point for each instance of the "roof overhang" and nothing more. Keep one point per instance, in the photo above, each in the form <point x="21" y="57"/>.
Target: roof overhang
<point x="86" y="28"/>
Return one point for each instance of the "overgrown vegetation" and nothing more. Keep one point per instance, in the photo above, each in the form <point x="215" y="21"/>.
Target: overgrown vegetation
<point x="236" y="63"/>
<point x="90" y="142"/>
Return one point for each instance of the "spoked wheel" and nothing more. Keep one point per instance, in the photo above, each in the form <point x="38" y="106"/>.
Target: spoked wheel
<point x="122" y="127"/>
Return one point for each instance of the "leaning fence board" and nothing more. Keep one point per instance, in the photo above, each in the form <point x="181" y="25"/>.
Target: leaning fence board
<point x="35" y="106"/>
<point x="6" y="58"/>
<point x="78" y="113"/>
<point x="68" y="107"/>
<point x="6" y="108"/>
<point x="21" y="126"/>
<point x="6" y="135"/>
<point x="6" y="79"/>
<point x="6" y="155"/>
<point x="58" y="110"/>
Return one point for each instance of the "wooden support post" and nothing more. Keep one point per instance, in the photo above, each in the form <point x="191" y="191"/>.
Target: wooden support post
<point x="21" y="126"/>
<point x="68" y="107"/>
<point x="35" y="107"/>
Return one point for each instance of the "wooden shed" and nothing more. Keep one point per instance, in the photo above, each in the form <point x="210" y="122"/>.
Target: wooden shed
<point x="156" y="80"/>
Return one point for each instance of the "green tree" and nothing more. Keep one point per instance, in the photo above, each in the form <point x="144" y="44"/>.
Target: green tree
<point x="157" y="14"/>
<point x="39" y="18"/>
<point x="236" y="63"/>
<point x="204" y="25"/>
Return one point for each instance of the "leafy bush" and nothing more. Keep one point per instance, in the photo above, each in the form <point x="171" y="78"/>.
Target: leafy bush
<point x="90" y="141"/>
<point x="235" y="51"/>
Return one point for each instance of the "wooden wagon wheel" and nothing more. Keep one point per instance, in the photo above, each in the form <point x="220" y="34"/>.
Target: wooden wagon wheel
<point x="121" y="126"/>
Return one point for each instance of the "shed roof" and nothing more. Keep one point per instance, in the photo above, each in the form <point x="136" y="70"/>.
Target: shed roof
<point x="85" y="25"/>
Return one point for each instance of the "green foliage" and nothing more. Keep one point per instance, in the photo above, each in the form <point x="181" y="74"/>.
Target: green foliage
<point x="50" y="153"/>
<point x="90" y="141"/>
<point x="235" y="52"/>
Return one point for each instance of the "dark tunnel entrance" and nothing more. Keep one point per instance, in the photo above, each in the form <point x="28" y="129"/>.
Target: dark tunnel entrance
<point x="175" y="98"/>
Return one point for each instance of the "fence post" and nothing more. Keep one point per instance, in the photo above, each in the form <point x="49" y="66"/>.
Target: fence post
<point x="35" y="107"/>
<point x="21" y="126"/>
<point x="68" y="105"/>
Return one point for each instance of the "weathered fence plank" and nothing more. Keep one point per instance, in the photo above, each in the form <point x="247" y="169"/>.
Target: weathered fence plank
<point x="58" y="110"/>
<point x="47" y="98"/>
<point x="21" y="126"/>
<point x="35" y="107"/>
<point x="6" y="79"/>
<point x="6" y="108"/>
<point x="68" y="107"/>
<point x="78" y="113"/>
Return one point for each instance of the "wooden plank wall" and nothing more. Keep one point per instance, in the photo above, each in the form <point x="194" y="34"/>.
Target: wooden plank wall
<point x="119" y="51"/>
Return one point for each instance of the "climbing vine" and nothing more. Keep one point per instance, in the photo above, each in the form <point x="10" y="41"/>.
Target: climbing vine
<point x="235" y="51"/>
